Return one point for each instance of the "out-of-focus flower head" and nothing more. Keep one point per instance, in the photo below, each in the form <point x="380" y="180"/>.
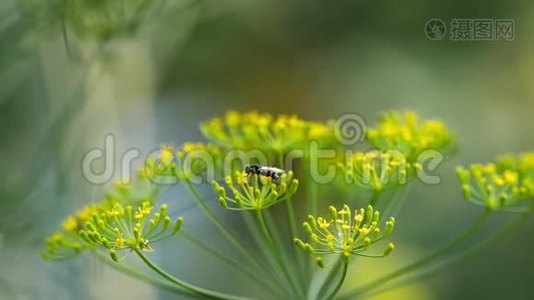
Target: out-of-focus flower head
<point x="254" y="192"/>
<point x="199" y="159"/>
<point x="345" y="233"/>
<point x="160" y="165"/>
<point x="67" y="243"/>
<point x="522" y="163"/>
<point x="253" y="130"/>
<point x="500" y="186"/>
<point x="404" y="132"/>
<point x="378" y="170"/>
<point x="146" y="185"/>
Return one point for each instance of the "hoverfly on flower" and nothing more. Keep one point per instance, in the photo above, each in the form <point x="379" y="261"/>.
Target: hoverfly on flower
<point x="271" y="172"/>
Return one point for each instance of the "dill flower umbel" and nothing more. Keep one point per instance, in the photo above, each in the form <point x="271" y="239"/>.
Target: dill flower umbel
<point x="114" y="226"/>
<point x="67" y="243"/>
<point x="255" y="192"/>
<point x="523" y="164"/>
<point x="498" y="186"/>
<point x="134" y="191"/>
<point x="346" y="233"/>
<point x="122" y="227"/>
<point x="196" y="159"/>
<point x="378" y="170"/>
<point x="160" y="167"/>
<point x="405" y="133"/>
<point x="253" y="130"/>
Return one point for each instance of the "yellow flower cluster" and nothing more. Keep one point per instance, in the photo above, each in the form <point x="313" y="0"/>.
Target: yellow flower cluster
<point x="523" y="164"/>
<point x="253" y="130"/>
<point x="377" y="170"/>
<point x="114" y="226"/>
<point x="134" y="191"/>
<point x="346" y="233"/>
<point x="405" y="133"/>
<point x="62" y="245"/>
<point x="194" y="159"/>
<point x="498" y="186"/>
<point x="255" y="192"/>
<point x="66" y="243"/>
<point x="75" y="222"/>
<point x="159" y="167"/>
<point x="123" y="227"/>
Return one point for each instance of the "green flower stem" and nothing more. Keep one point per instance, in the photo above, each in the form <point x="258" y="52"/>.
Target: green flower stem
<point x="474" y="249"/>
<point x="300" y="262"/>
<point x="312" y="205"/>
<point x="422" y="262"/>
<point x="291" y="218"/>
<point x="375" y="197"/>
<point x="393" y="206"/>
<point x="285" y="255"/>
<point x="201" y="292"/>
<point x="276" y="253"/>
<point x="230" y="262"/>
<point x="311" y="186"/>
<point x="312" y="200"/>
<point x="265" y="250"/>
<point x="325" y="286"/>
<point x="138" y="275"/>
<point x="280" y="157"/>
<point x="222" y="228"/>
<point x="300" y="259"/>
<point x="341" y="279"/>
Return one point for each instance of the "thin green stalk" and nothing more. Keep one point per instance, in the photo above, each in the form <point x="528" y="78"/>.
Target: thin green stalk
<point x="275" y="252"/>
<point x="312" y="195"/>
<point x="139" y="276"/>
<point x="301" y="268"/>
<point x="287" y="260"/>
<point x="341" y="280"/>
<point x="393" y="205"/>
<point x="312" y="207"/>
<point x="220" y="225"/>
<point x="311" y="186"/>
<point x="375" y="197"/>
<point x="325" y="286"/>
<point x="258" y="238"/>
<point x="187" y="286"/>
<point x="265" y="250"/>
<point x="291" y="218"/>
<point x="474" y="249"/>
<point x="422" y="262"/>
<point x="230" y="262"/>
<point x="299" y="255"/>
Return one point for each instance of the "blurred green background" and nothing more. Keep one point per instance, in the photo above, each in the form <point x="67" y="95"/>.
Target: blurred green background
<point x="149" y="71"/>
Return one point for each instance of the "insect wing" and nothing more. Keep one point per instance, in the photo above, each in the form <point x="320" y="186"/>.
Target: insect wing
<point x="273" y="169"/>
